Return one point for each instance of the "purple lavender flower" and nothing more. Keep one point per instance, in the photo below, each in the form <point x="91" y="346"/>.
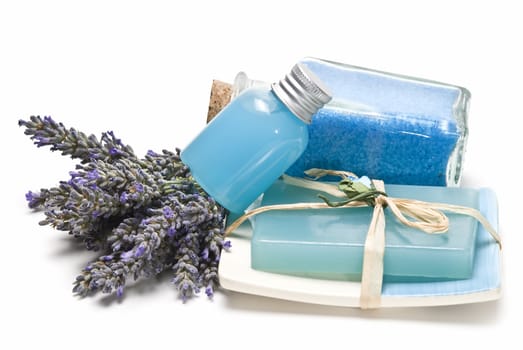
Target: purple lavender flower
<point x="41" y="141"/>
<point x="36" y="200"/>
<point x="138" y="187"/>
<point x="205" y="253"/>
<point x="124" y="197"/>
<point x="139" y="251"/>
<point x="168" y="213"/>
<point x="78" y="181"/>
<point x="209" y="291"/>
<point x="115" y="151"/>
<point x="145" y="215"/>
<point x="93" y="174"/>
<point x="227" y="245"/>
<point x="185" y="286"/>
<point x="127" y="255"/>
<point x="30" y="196"/>
<point x="184" y="292"/>
<point x="46" y="132"/>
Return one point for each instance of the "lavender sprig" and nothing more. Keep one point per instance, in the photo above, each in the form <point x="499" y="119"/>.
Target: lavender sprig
<point x="46" y="132"/>
<point x="37" y="199"/>
<point x="145" y="215"/>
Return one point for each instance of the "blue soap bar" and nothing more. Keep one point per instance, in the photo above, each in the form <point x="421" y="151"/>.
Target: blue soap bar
<point x="399" y="129"/>
<point x="328" y="243"/>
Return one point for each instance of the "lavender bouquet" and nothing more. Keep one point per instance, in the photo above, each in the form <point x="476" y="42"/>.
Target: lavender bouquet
<point x="145" y="215"/>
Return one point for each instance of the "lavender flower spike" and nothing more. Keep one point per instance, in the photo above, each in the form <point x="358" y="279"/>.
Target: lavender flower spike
<point x="36" y="200"/>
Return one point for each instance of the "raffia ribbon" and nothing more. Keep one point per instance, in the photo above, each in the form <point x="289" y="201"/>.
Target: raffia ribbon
<point x="373" y="252"/>
<point x="426" y="216"/>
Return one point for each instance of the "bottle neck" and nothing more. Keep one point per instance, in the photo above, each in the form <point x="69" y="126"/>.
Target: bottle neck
<point x="243" y="82"/>
<point x="222" y="93"/>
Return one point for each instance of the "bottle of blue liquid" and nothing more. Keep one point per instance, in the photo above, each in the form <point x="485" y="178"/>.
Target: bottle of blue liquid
<point x="255" y="138"/>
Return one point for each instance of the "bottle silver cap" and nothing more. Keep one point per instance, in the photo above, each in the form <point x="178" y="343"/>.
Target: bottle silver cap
<point x="302" y="92"/>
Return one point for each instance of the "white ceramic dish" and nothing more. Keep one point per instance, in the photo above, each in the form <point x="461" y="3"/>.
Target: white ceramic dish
<point x="484" y="285"/>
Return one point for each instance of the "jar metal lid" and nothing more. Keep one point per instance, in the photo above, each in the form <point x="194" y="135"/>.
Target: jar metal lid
<point x="302" y="92"/>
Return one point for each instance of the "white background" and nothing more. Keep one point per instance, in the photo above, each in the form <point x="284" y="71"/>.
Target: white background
<point x="144" y="68"/>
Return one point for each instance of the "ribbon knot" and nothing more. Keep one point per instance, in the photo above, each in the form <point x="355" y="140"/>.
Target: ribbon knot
<point x="381" y="200"/>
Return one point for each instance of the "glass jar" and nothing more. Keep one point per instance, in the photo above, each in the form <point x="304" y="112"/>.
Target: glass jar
<point x="400" y="129"/>
<point x="255" y="138"/>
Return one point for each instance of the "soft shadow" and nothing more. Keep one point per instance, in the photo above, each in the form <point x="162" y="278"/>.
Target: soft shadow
<point x="68" y="245"/>
<point x="479" y="313"/>
<point x="77" y="256"/>
<point x="140" y="288"/>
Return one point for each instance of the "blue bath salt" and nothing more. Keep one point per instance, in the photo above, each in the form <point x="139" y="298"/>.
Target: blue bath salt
<point x="399" y="129"/>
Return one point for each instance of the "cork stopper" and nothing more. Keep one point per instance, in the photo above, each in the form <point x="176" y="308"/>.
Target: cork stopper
<point x="220" y="96"/>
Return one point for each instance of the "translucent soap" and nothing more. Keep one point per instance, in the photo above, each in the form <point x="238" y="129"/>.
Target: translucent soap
<point x="328" y="243"/>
